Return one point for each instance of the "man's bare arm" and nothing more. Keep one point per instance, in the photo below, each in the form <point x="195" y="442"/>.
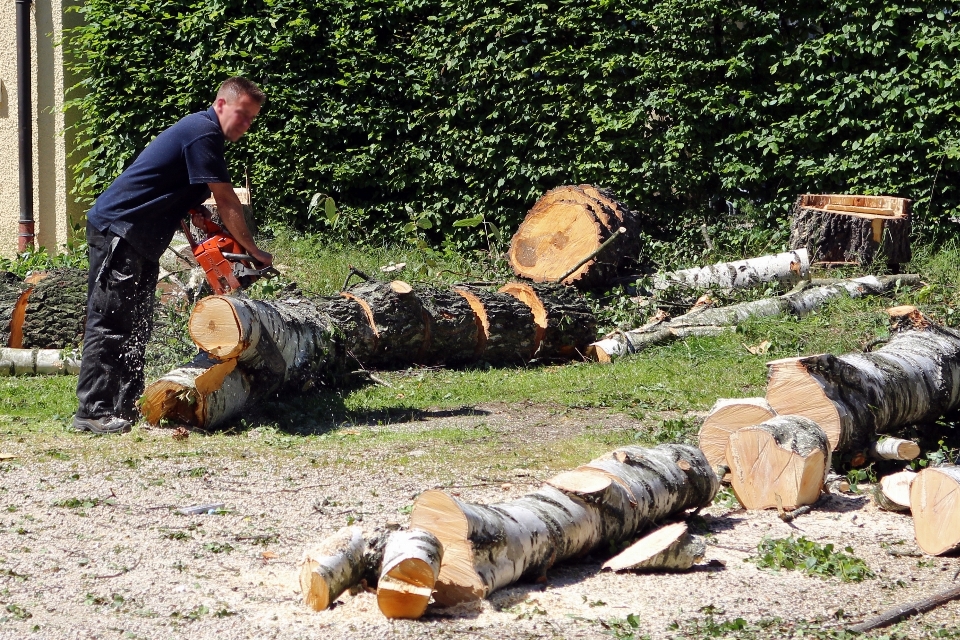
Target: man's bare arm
<point x="231" y="213"/>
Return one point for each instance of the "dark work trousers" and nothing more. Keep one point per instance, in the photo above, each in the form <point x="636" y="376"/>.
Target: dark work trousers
<point x="120" y="294"/>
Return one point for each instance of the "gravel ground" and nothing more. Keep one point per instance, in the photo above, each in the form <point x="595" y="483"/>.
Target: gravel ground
<point x="91" y="547"/>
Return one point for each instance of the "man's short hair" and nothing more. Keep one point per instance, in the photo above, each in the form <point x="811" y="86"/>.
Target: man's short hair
<point x="233" y="88"/>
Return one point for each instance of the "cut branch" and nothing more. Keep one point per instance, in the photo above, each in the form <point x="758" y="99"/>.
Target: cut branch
<point x="789" y="267"/>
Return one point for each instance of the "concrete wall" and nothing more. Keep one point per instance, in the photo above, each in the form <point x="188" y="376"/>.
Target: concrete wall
<point x="55" y="210"/>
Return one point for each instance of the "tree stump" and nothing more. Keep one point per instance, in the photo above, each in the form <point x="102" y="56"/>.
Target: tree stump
<point x="841" y="228"/>
<point x="565" y="323"/>
<point x="935" y="503"/>
<point x="565" y="226"/>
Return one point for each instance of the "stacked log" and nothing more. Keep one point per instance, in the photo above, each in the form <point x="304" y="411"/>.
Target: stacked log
<point x="567" y="225"/>
<point x="847" y="228"/>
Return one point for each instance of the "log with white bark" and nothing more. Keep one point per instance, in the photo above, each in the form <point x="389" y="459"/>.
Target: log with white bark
<point x="935" y="503"/>
<point x="894" y="449"/>
<point x="202" y="393"/>
<point x="606" y="501"/>
<point x="892" y="493"/>
<point x="27" y="362"/>
<point x="716" y="320"/>
<point x="912" y="379"/>
<point x="781" y="463"/>
<point x="789" y="267"/>
<point x="669" y="548"/>
<point x="727" y="416"/>
<point x="411" y="564"/>
<point x="332" y="567"/>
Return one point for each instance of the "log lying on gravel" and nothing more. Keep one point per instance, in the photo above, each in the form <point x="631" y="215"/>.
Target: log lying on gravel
<point x="935" y="503"/>
<point x="727" y="416"/>
<point x="669" y="548"/>
<point x="411" y="565"/>
<point x="912" y="379"/>
<point x="601" y="503"/>
<point x="713" y="321"/>
<point x="781" y="463"/>
<point x="789" y="267"/>
<point x="30" y="362"/>
<point x="566" y="225"/>
<point x="892" y="493"/>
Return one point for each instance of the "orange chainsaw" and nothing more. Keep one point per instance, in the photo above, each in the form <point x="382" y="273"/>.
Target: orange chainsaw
<point x="224" y="261"/>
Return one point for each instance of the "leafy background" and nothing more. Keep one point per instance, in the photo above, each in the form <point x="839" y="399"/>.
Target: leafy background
<point x="433" y="111"/>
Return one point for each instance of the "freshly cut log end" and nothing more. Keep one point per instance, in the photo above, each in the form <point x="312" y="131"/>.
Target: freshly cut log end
<point x="791" y="390"/>
<point x="727" y="416"/>
<point x="202" y="393"/>
<point x="781" y="463"/>
<point x="583" y="482"/>
<point x="892" y="493"/>
<point x="894" y="449"/>
<point x="935" y="503"/>
<point x="669" y="548"/>
<point x="411" y="565"/>
<point x="332" y="567"/>
<point x="215" y="328"/>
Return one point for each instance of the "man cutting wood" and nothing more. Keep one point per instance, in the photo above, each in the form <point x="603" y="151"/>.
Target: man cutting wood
<point x="130" y="226"/>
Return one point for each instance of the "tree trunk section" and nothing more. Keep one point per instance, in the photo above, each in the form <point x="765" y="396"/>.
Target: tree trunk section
<point x="204" y="393"/>
<point x="604" y="502"/>
<point x="451" y="326"/>
<point x="507" y="332"/>
<point x="834" y="228"/>
<point x="911" y="379"/>
<point x="781" y="463"/>
<point x="935" y="503"/>
<point x="669" y="548"/>
<point x="11" y="289"/>
<point x="726" y="417"/>
<point x="56" y="310"/>
<point x="38" y="362"/>
<point x="355" y="328"/>
<point x="789" y="267"/>
<point x="411" y="564"/>
<point x="565" y="324"/>
<point x="894" y="449"/>
<point x="565" y="226"/>
<point x="332" y="567"/>
<point x="893" y="491"/>
<point x="399" y="321"/>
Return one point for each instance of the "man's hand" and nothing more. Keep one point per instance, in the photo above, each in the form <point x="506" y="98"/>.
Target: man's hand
<point x="231" y="213"/>
<point x="263" y="258"/>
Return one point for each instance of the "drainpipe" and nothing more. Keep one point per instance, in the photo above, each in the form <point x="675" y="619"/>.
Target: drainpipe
<point x="25" y="126"/>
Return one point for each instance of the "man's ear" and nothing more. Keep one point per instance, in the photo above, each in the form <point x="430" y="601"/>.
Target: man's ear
<point x="218" y="104"/>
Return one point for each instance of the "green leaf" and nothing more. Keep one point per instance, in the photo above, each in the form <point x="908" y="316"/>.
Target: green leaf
<point x="468" y="222"/>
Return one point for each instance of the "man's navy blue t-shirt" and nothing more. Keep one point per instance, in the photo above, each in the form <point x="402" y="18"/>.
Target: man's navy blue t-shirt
<point x="145" y="204"/>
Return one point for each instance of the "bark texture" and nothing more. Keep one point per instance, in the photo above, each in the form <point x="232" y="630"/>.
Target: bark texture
<point x="11" y="288"/>
<point x="56" y="310"/>
<point x="411" y="564"/>
<point x="854" y="234"/>
<point x="789" y="267"/>
<point x="29" y="362"/>
<point x="452" y="330"/>
<point x="565" y="323"/>
<point x="669" y="548"/>
<point x="608" y="500"/>
<point x="399" y="321"/>
<point x="914" y="378"/>
<point x="332" y="567"/>
<point x="507" y="332"/>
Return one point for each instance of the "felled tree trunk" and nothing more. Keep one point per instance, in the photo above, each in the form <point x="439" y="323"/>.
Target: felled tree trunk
<point x="789" y="267"/>
<point x="935" y="503"/>
<point x="565" y="226"/>
<point x="355" y="328"/>
<point x="411" y="564"/>
<point x="452" y="329"/>
<point x="603" y="502"/>
<point x="912" y="379"/>
<point x="55" y="310"/>
<point x="203" y="393"/>
<point x="669" y="548"/>
<point x="506" y="331"/>
<point x="838" y="228"/>
<point x="398" y="319"/>
<point x="11" y="289"/>
<point x="565" y="324"/>
<point x="713" y="321"/>
<point x="727" y="416"/>
<point x="782" y="463"/>
<point x="44" y="362"/>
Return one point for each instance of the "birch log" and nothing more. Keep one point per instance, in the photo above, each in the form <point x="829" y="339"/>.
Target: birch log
<point x="27" y="362"/>
<point x="203" y="393"/>
<point x="913" y="378"/>
<point x="411" y="564"/>
<point x="782" y="463"/>
<point x="332" y="567"/>
<point x="935" y="503"/>
<point x="598" y="504"/>
<point x="789" y="267"/>
<point x="894" y="449"/>
<point x="892" y="493"/>
<point x="713" y="321"/>
<point x="669" y="548"/>
<point x="726" y="417"/>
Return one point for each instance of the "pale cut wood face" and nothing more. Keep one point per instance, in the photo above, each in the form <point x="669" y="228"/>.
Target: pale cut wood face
<point x="791" y="390"/>
<point x="725" y="418"/>
<point x="765" y="475"/>
<point x="935" y="503"/>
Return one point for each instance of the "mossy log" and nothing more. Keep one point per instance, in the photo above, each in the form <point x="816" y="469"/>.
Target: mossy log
<point x="565" y="226"/>
<point x="912" y="379"/>
<point x="606" y="501"/>
<point x="842" y="228"/>
<point x="565" y="323"/>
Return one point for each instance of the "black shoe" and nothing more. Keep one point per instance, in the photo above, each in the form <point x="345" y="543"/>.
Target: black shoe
<point x="106" y="424"/>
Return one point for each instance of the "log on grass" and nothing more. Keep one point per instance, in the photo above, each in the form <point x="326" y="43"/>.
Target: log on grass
<point x="935" y="503"/>
<point x="781" y="463"/>
<point x="669" y="548"/>
<point x="452" y="328"/>
<point x="892" y="493"/>
<point x="565" y="323"/>
<point x="30" y="362"/>
<point x="506" y="330"/>
<point x="716" y="320"/>
<point x="725" y="417"/>
<point x="788" y="267"/>
<point x="408" y="573"/>
<point x="565" y="226"/>
<point x="398" y="320"/>
<point x="203" y="393"/>
<point x="842" y="228"/>
<point x="912" y="379"/>
<point x="606" y="501"/>
<point x="355" y="329"/>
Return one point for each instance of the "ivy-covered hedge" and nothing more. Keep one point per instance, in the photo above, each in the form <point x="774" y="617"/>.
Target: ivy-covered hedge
<point x="459" y="108"/>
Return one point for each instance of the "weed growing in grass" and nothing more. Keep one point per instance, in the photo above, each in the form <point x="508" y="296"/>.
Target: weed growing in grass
<point x="218" y="547"/>
<point x="810" y="557"/>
